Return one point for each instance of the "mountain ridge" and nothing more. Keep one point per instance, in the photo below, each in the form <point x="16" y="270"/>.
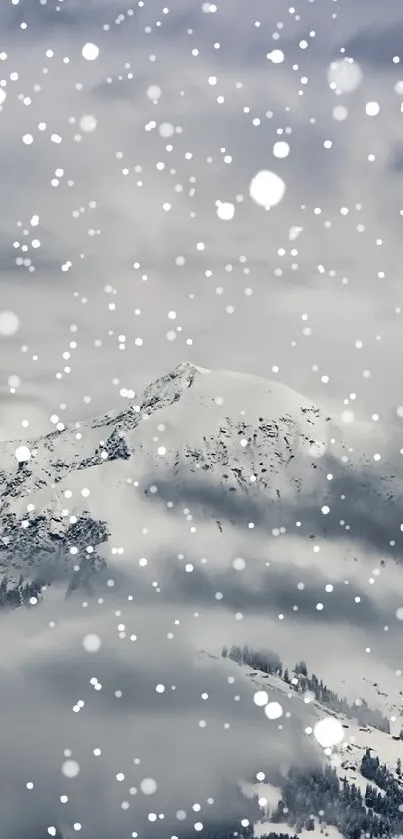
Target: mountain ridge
<point x="239" y="452"/>
<point x="36" y="469"/>
<point x="203" y="469"/>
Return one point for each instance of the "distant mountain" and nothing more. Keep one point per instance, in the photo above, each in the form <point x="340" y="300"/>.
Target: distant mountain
<point x="201" y="466"/>
<point x="351" y="787"/>
<point x="69" y="495"/>
<point x="239" y="450"/>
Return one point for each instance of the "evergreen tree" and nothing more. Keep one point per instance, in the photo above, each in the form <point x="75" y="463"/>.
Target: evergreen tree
<point x="267" y="661"/>
<point x="301" y="669"/>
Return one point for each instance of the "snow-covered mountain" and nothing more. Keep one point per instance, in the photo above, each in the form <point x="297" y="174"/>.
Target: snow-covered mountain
<point x="71" y="495"/>
<point x="235" y="451"/>
<point x="324" y="738"/>
<point x="230" y="497"/>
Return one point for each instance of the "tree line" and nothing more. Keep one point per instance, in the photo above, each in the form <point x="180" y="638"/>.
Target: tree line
<point x="267" y="661"/>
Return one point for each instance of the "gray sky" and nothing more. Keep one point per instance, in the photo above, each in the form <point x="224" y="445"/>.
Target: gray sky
<point x="128" y="233"/>
<point x="101" y="221"/>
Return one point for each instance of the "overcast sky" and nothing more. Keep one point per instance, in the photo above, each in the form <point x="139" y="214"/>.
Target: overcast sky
<point x="122" y="195"/>
<point x="121" y="130"/>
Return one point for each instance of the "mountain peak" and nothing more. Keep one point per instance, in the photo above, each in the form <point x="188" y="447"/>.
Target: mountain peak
<point x="188" y="365"/>
<point x="191" y="430"/>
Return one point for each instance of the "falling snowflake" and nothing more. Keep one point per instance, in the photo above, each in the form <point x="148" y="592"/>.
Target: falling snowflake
<point x="267" y="189"/>
<point x="329" y="732"/>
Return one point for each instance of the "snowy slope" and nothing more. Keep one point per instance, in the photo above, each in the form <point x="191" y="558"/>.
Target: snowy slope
<point x="345" y="758"/>
<point x="215" y="464"/>
<point x="356" y="739"/>
<point x="191" y="428"/>
<point x="234" y="450"/>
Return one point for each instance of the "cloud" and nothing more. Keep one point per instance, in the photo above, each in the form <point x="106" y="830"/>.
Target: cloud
<point x="376" y="46"/>
<point x="141" y="733"/>
<point x="363" y="502"/>
<point x="240" y="290"/>
<point x="259" y="100"/>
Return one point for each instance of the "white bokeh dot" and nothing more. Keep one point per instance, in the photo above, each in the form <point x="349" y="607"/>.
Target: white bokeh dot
<point x="281" y="149"/>
<point x="225" y="211"/>
<point x="154" y="92"/>
<point x="266" y="188"/>
<point x="276" y="56"/>
<point x="148" y="786"/>
<point x="166" y="130"/>
<point x="344" y="75"/>
<point x="239" y="564"/>
<point x="340" y="113"/>
<point x="70" y="769"/>
<point x="88" y="123"/>
<point x="22" y="454"/>
<point x="261" y="698"/>
<point x="329" y="732"/>
<point x="9" y="323"/>
<point x="372" y="109"/>
<point x="273" y="711"/>
<point x="90" y="51"/>
<point x="91" y="643"/>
